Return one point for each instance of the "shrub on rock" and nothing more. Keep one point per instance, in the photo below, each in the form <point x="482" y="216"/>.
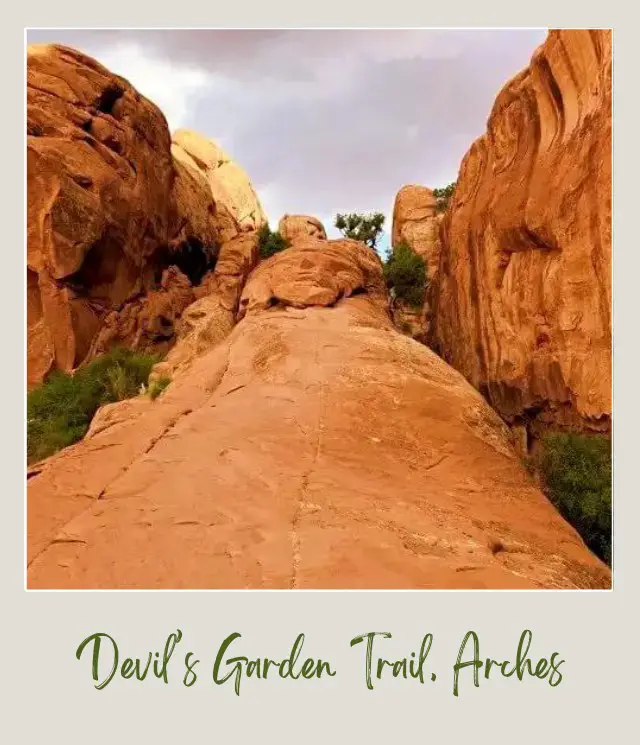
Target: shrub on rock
<point x="60" y="410"/>
<point x="270" y="243"/>
<point x="576" y="474"/>
<point x="406" y="274"/>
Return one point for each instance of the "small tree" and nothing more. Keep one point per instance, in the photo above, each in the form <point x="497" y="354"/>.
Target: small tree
<point x="443" y="196"/>
<point x="270" y="243"/>
<point x="406" y="273"/>
<point x="361" y="227"/>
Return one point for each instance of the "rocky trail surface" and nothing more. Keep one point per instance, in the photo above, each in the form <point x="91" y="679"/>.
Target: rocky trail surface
<point x="315" y="447"/>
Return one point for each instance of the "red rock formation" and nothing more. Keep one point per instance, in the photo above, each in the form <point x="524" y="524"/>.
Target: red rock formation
<point x="108" y="209"/>
<point x="315" y="447"/>
<point x="316" y="273"/>
<point x="416" y="222"/>
<point x="229" y="184"/>
<point x="210" y="319"/>
<point x="291" y="227"/>
<point x="523" y="296"/>
<point x="146" y="323"/>
<point x="99" y="184"/>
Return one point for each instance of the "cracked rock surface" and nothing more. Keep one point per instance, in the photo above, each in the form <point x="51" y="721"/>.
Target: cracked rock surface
<point x="313" y="447"/>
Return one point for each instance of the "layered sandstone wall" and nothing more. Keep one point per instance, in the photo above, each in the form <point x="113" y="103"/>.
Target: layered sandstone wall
<point x="119" y="229"/>
<point x="522" y="302"/>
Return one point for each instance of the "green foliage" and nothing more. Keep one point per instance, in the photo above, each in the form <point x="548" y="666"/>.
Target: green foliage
<point x="157" y="386"/>
<point x="443" y="196"/>
<point x="576" y="474"/>
<point x="360" y="227"/>
<point x="406" y="273"/>
<point x="60" y="410"/>
<point x="270" y="243"/>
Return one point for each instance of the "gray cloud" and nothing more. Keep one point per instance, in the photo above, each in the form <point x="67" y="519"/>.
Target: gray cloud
<point x="323" y="121"/>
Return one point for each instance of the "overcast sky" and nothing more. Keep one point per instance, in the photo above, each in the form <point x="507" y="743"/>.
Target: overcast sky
<point x="322" y="121"/>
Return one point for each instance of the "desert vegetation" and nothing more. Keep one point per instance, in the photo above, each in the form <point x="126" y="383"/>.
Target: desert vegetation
<point x="60" y="410"/>
<point x="443" y="196"/>
<point x="361" y="227"/>
<point x="406" y="274"/>
<point x="270" y="242"/>
<point x="157" y="386"/>
<point x="575" y="471"/>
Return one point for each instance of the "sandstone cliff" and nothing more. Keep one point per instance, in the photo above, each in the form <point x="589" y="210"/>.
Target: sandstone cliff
<point x="522" y="301"/>
<point x="119" y="231"/>
<point x="313" y="447"/>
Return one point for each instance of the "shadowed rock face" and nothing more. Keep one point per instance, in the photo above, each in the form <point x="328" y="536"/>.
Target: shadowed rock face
<point x="523" y="295"/>
<point x="108" y="208"/>
<point x="314" y="447"/>
<point x="211" y="318"/>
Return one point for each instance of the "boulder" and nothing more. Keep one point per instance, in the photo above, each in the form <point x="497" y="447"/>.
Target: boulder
<point x="318" y="273"/>
<point x="228" y="182"/>
<point x="294" y="227"/>
<point x="210" y="319"/>
<point x="147" y="323"/>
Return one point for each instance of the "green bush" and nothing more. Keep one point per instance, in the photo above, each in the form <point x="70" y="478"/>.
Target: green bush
<point x="270" y="243"/>
<point x="157" y="386"/>
<point x="360" y="227"/>
<point x="576" y="474"/>
<point x="60" y="410"/>
<point x="406" y="273"/>
<point x="443" y="196"/>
